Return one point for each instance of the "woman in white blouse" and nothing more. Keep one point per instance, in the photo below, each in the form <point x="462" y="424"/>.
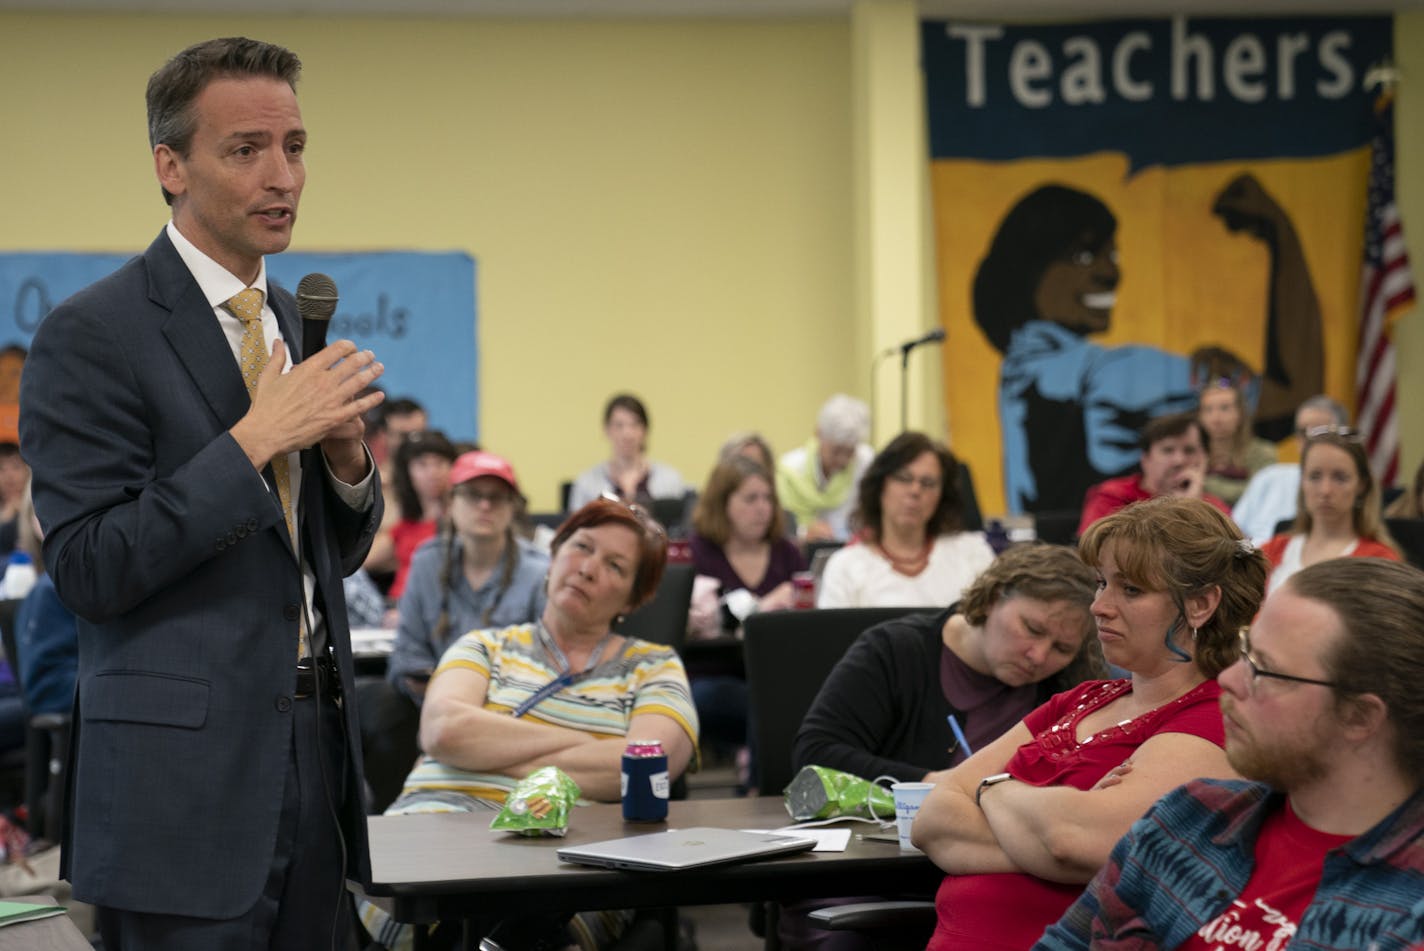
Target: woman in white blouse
<point x="909" y="549"/>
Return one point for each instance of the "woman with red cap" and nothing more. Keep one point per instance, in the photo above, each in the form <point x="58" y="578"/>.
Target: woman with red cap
<point x="474" y="573"/>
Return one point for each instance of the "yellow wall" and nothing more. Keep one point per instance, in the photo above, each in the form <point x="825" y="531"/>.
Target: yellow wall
<point x="662" y="206"/>
<point x="658" y="206"/>
<point x="1409" y="155"/>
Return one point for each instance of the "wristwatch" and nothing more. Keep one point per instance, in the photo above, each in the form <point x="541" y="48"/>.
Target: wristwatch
<point x="988" y="781"/>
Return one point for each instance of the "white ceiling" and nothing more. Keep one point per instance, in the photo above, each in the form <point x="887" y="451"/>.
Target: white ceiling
<point x="975" y="9"/>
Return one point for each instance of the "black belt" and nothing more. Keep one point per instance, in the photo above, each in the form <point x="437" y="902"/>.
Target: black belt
<point x="314" y="674"/>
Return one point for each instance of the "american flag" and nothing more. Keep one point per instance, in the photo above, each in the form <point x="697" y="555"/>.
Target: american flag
<point x="1386" y="290"/>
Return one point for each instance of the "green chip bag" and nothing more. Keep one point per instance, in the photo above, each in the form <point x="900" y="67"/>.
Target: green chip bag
<point x="818" y="792"/>
<point x="539" y="805"/>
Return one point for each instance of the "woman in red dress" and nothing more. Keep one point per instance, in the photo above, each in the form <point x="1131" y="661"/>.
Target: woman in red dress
<point x="1026" y="821"/>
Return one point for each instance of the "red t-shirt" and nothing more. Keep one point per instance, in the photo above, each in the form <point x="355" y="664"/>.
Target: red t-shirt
<point x="407" y="535"/>
<point x="1110" y="495"/>
<point x="1011" y="910"/>
<point x="1290" y="858"/>
<point x="1275" y="549"/>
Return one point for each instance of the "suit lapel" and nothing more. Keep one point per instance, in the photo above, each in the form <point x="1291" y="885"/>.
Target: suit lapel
<point x="288" y="321"/>
<point x="193" y="332"/>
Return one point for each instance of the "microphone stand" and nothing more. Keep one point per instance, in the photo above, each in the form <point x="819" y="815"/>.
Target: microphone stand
<point x="905" y="388"/>
<point x="905" y="349"/>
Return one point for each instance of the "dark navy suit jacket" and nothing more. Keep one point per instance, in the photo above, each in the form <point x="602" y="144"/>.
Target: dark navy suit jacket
<point x="173" y="554"/>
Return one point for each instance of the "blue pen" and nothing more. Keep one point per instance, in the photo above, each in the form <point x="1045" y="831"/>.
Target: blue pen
<point x="959" y="736"/>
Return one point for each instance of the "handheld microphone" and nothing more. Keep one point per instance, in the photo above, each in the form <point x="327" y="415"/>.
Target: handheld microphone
<point x="316" y="302"/>
<point x="934" y="336"/>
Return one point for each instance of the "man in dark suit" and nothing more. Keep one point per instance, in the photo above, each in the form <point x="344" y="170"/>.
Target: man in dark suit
<point x="202" y="496"/>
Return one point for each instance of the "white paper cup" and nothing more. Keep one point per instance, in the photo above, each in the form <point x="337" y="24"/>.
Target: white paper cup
<point x="908" y="797"/>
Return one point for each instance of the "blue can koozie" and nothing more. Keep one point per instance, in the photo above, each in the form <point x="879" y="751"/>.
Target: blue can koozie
<point x="645" y="781"/>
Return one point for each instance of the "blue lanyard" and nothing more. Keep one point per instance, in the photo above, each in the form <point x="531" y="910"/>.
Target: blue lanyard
<point x="567" y="677"/>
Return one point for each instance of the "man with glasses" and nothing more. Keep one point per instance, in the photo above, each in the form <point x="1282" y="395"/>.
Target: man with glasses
<point x="1322" y="846"/>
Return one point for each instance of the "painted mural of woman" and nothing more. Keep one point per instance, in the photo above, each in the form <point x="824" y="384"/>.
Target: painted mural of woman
<point x="1070" y="409"/>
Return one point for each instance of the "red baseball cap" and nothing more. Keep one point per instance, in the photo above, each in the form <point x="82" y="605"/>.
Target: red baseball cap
<point x="472" y="465"/>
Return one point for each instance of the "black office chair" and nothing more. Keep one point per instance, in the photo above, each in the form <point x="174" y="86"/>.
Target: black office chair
<point x="550" y="519"/>
<point x="788" y="656"/>
<point x="829" y="545"/>
<point x="675" y="514"/>
<point x="968" y="500"/>
<point x="1059" y="528"/>
<point x="1409" y="533"/>
<point x="663" y="620"/>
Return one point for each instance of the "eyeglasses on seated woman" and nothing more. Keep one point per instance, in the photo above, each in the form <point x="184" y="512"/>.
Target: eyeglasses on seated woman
<point x="910" y="548"/>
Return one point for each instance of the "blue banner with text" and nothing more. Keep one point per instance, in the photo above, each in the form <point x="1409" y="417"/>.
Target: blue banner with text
<point x="1163" y="91"/>
<point x="414" y="310"/>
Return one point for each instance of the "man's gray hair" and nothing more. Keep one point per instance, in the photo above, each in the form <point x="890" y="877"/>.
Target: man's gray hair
<point x="1332" y="406"/>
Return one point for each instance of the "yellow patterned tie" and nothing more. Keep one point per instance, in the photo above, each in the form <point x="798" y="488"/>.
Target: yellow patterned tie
<point x="246" y="306"/>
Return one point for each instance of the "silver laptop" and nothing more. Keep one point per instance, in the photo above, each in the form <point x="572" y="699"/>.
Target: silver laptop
<point x="683" y="848"/>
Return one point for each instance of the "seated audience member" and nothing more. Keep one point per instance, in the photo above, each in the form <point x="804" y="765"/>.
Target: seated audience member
<point x="386" y="425"/>
<point x="46" y="633"/>
<point x="422" y="489"/>
<point x="396" y="418"/>
<point x="817" y="482"/>
<point x="474" y="574"/>
<point x="1021" y="633"/>
<point x="14" y="481"/>
<point x="751" y="445"/>
<point x="909" y="550"/>
<point x="1271" y="494"/>
<point x="565" y="691"/>
<point x="739" y="540"/>
<point x="1320" y="847"/>
<point x="1027" y="820"/>
<point x="1339" y="510"/>
<point x="12" y="368"/>
<point x="739" y="546"/>
<point x="1173" y="463"/>
<point x="365" y="604"/>
<point x="1233" y="454"/>
<point x="628" y="474"/>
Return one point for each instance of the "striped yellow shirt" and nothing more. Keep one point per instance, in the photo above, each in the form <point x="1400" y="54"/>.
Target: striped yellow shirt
<point x="640" y="678"/>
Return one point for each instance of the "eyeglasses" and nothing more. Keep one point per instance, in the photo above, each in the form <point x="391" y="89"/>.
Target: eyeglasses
<point x="928" y="483"/>
<point x="1344" y="432"/>
<point x="476" y="496"/>
<point x="1244" y="639"/>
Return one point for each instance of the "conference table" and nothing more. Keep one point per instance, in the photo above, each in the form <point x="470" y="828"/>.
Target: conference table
<point x="429" y="868"/>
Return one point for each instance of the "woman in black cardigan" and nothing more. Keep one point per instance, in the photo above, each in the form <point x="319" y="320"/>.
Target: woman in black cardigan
<point x="1021" y="633"/>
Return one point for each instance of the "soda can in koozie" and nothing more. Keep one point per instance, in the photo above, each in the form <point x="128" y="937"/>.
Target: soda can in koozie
<point x="645" y="781"/>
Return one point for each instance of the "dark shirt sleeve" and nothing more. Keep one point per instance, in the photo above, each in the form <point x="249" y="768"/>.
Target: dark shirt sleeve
<point x="856" y="713"/>
<point x="48" y="644"/>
